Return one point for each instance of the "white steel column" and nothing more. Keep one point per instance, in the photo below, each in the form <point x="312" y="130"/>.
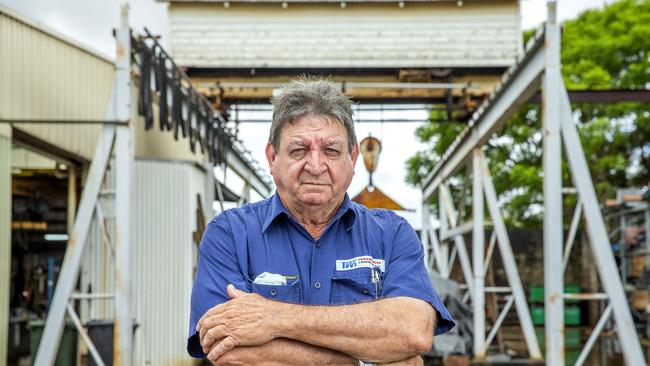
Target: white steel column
<point x="553" y="229"/>
<point x="509" y="263"/>
<point x="123" y="326"/>
<point x="5" y="239"/>
<point x="478" y="256"/>
<point x="598" y="238"/>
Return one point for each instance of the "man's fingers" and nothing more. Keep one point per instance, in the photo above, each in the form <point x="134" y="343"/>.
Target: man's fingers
<point x="221" y="348"/>
<point x="213" y="311"/>
<point x="211" y="336"/>
<point x="233" y="292"/>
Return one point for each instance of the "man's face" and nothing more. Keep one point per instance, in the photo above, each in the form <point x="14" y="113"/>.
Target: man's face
<point x="313" y="164"/>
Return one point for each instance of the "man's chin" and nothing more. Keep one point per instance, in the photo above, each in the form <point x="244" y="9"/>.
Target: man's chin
<point x="315" y="199"/>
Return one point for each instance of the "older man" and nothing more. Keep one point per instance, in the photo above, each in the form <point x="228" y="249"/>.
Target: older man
<point x="308" y="277"/>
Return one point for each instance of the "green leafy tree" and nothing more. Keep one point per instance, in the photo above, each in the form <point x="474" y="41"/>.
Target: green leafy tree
<point x="602" y="49"/>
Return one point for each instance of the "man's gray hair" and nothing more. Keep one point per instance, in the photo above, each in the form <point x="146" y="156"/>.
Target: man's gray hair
<point x="315" y="98"/>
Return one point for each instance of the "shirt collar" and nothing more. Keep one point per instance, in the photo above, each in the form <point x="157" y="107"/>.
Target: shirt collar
<point x="276" y="207"/>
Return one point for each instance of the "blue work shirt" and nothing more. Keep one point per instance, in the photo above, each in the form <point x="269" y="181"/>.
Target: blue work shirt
<point x="261" y="248"/>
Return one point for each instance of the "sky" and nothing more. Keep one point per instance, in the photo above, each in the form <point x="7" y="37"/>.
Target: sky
<point x="90" y="22"/>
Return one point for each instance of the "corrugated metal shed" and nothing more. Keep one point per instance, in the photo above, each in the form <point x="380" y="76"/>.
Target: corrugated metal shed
<point x="5" y="238"/>
<point x="46" y="76"/>
<point x="163" y="259"/>
<point x="363" y="35"/>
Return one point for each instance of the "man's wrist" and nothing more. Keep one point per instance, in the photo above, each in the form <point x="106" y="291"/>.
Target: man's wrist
<point x="280" y="320"/>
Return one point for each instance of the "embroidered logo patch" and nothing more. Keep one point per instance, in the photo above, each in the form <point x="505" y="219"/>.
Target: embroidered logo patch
<point x="365" y="261"/>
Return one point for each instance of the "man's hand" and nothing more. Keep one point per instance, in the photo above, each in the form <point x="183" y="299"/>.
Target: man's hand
<point x="243" y="321"/>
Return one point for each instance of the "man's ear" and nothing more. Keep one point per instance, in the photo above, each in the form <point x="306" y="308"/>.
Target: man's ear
<point x="355" y="155"/>
<point x="270" y="156"/>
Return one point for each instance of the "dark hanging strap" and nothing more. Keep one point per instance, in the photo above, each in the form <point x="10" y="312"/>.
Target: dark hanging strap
<point x="187" y="120"/>
<point x="144" y="102"/>
<point x="161" y="86"/>
<point x="209" y="132"/>
<point x="177" y="104"/>
<point x="201" y="124"/>
<point x="192" y="120"/>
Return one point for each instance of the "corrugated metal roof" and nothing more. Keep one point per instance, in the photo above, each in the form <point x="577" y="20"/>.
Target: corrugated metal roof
<point x="45" y="76"/>
<point x="53" y="33"/>
<point x="322" y="36"/>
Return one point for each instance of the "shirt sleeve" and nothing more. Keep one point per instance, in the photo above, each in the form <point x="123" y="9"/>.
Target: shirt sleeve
<point x="217" y="267"/>
<point x="407" y="276"/>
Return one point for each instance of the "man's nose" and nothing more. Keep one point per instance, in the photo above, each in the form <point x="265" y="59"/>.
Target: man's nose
<point x="315" y="164"/>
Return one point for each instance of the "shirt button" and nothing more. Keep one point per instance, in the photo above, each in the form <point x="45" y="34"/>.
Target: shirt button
<point x="365" y="291"/>
<point x="274" y="292"/>
<point x="317" y="244"/>
<point x="317" y="284"/>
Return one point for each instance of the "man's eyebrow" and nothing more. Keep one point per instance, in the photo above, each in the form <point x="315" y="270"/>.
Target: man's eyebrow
<point x="296" y="143"/>
<point x="333" y="143"/>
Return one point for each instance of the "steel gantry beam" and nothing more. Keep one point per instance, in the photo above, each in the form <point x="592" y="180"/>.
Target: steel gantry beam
<point x="539" y="67"/>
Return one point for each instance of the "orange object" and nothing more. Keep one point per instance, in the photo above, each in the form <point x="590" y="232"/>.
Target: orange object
<point x="373" y="197"/>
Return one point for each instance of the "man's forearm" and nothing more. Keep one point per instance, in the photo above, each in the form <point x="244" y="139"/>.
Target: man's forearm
<point x="281" y="351"/>
<point x="381" y="331"/>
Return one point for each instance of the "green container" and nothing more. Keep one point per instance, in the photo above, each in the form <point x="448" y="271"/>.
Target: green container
<point x="572" y="338"/>
<point x="571" y="315"/>
<point x="537" y="293"/>
<point x="538" y="315"/>
<point x="67" y="348"/>
<point x="570" y="357"/>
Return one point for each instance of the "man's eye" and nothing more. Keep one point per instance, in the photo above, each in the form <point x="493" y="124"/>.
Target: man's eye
<point x="330" y="151"/>
<point x="298" y="152"/>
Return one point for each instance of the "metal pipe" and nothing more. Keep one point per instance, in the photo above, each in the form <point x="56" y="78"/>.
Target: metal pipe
<point x="575" y="221"/>
<point x="79" y="296"/>
<point x="594" y="336"/>
<point x="82" y="332"/>
<point x="490" y="251"/>
<point x="498" y="289"/>
<point x="586" y="296"/>
<point x="499" y="321"/>
<point x="457" y="230"/>
<point x="452" y="260"/>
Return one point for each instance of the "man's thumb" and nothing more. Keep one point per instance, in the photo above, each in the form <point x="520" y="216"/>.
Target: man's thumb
<point x="233" y="292"/>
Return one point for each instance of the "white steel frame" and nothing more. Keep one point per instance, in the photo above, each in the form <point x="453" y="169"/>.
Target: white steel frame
<point x="539" y="66"/>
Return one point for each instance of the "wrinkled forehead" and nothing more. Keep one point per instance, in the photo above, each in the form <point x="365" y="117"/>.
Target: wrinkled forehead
<point x="313" y="129"/>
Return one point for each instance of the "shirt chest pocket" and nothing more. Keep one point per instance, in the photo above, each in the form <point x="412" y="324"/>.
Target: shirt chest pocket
<point x="349" y="287"/>
<point x="285" y="293"/>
